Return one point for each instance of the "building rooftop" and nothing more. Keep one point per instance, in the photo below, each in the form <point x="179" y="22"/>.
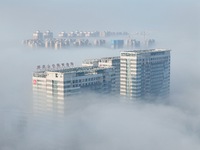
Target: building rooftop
<point x="84" y="69"/>
<point x="146" y="51"/>
<point x="104" y="58"/>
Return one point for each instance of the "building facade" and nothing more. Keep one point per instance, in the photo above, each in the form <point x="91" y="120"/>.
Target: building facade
<point x="52" y="88"/>
<point x="107" y="62"/>
<point x="138" y="74"/>
<point x="145" y="73"/>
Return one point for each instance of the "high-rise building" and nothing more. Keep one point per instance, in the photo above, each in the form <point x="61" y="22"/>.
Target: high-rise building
<point x="145" y="73"/>
<point x="137" y="74"/>
<point x="52" y="88"/>
<point x="105" y="63"/>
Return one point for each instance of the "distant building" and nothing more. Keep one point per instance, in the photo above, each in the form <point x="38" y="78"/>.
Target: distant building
<point x="102" y="34"/>
<point x="48" y="35"/>
<point x="88" y="39"/>
<point x="34" y="43"/>
<point x="49" y="43"/>
<point x="150" y="43"/>
<point x="132" y="44"/>
<point x="145" y="73"/>
<point x="52" y="88"/>
<point x="37" y="35"/>
<point x="117" y="44"/>
<point x="59" y="44"/>
<point x="99" y="42"/>
<point x="62" y="35"/>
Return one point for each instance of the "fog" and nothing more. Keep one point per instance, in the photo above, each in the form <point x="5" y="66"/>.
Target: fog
<point x="93" y="122"/>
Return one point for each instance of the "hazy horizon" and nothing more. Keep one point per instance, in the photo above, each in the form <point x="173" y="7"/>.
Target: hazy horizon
<point x="97" y="124"/>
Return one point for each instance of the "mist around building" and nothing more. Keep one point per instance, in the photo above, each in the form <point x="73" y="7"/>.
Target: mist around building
<point x="77" y="107"/>
<point x="93" y="119"/>
<point x="89" y="39"/>
<point x="135" y="75"/>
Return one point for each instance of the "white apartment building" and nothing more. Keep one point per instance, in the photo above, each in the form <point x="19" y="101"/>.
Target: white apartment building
<point x="105" y="63"/>
<point x="52" y="88"/>
<point x="145" y="73"/>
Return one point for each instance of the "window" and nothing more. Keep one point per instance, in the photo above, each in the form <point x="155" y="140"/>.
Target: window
<point x="67" y="82"/>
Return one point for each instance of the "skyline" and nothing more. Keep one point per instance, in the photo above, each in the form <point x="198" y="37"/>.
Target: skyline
<point x="95" y="123"/>
<point x="134" y="15"/>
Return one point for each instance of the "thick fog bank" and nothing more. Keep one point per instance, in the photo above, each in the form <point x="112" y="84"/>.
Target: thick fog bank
<point x="93" y="122"/>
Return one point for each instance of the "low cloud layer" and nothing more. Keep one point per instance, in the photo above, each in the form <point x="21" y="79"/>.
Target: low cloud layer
<point x="110" y="124"/>
<point x="95" y="123"/>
